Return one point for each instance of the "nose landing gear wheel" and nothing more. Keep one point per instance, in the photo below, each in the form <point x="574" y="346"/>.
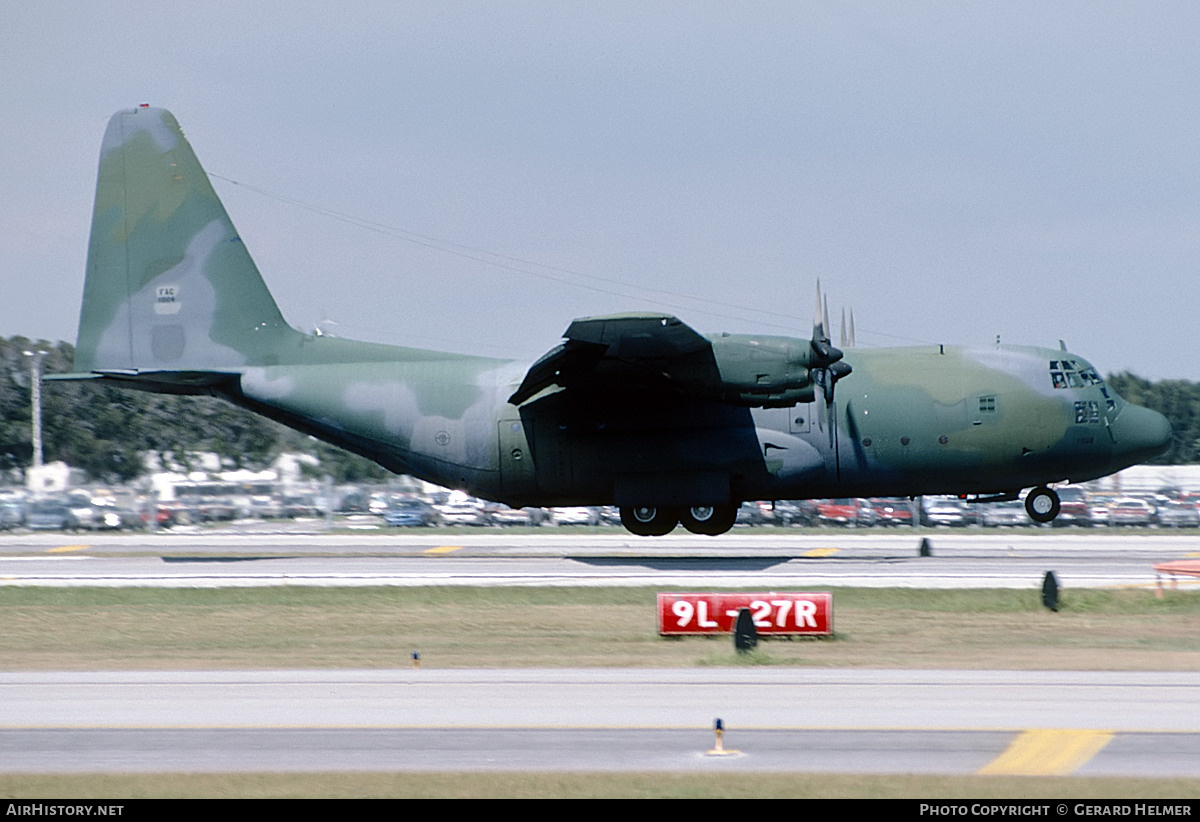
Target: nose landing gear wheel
<point x="647" y="521"/>
<point x="709" y="520"/>
<point x="1042" y="504"/>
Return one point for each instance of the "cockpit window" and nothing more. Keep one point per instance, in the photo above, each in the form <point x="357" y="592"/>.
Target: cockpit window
<point x="1073" y="374"/>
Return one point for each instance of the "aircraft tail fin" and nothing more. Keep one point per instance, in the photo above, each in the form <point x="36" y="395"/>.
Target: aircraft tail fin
<point x="170" y="287"/>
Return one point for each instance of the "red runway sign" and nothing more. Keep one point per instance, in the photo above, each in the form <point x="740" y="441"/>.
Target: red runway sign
<point x="773" y="614"/>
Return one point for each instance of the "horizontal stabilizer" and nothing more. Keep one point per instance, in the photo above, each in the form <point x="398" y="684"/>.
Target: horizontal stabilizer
<point x="162" y="382"/>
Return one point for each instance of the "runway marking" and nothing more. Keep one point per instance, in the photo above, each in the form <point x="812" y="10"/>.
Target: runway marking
<point x="817" y="553"/>
<point x="62" y="549"/>
<point x="42" y="558"/>
<point x="1048" y="752"/>
<point x="443" y="549"/>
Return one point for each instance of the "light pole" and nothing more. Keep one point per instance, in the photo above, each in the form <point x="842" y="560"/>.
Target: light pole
<point x="35" y="400"/>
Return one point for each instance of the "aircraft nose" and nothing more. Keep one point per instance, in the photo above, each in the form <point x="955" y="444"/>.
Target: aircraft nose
<point x="1141" y="434"/>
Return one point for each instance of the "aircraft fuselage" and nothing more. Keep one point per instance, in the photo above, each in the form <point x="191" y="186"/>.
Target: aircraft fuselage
<point x="921" y="420"/>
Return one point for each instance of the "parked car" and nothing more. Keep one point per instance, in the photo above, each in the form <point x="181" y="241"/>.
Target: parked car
<point x="754" y="512"/>
<point x="1073" y="508"/>
<point x="503" y="515"/>
<point x="262" y="506"/>
<point x="355" y="502"/>
<point x="893" y="511"/>
<point x="51" y="516"/>
<point x="799" y="512"/>
<point x="462" y="509"/>
<point x="12" y="515"/>
<point x="408" y="513"/>
<point x="944" y="511"/>
<point x="575" y="515"/>
<point x="1001" y="514"/>
<point x="845" y="511"/>
<point x="1179" y="514"/>
<point x="1130" y="511"/>
<point x="610" y="515"/>
<point x="112" y="518"/>
<point x="166" y="516"/>
<point x="299" y="506"/>
<point x="1098" y="507"/>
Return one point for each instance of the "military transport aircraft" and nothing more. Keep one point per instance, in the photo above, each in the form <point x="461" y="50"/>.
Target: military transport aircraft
<point x="634" y="410"/>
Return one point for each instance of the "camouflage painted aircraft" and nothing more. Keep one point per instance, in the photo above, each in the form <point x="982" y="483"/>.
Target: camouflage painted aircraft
<point x="633" y="410"/>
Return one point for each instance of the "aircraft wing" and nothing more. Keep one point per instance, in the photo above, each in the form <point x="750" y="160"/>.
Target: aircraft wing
<point x="660" y="353"/>
<point x="598" y="349"/>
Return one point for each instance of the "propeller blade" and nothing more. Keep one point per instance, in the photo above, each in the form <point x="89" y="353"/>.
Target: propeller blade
<point x="825" y="365"/>
<point x="821" y="345"/>
<point x="819" y="334"/>
<point x="825" y="317"/>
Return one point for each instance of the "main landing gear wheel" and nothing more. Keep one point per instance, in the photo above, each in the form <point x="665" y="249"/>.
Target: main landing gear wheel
<point x="709" y="520"/>
<point x="1042" y="504"/>
<point x="647" y="521"/>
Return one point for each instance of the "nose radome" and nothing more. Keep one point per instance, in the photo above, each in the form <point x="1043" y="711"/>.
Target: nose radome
<point x="1141" y="434"/>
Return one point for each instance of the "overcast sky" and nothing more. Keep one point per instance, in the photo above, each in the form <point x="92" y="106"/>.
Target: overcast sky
<point x="472" y="176"/>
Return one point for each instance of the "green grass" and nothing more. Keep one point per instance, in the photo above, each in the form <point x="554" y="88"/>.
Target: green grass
<point x="456" y="627"/>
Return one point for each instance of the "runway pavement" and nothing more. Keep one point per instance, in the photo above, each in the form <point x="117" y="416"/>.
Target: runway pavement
<point x="953" y="722"/>
<point x="1081" y="558"/>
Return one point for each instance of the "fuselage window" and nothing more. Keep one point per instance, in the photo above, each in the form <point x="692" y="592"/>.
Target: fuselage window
<point x="1087" y="413"/>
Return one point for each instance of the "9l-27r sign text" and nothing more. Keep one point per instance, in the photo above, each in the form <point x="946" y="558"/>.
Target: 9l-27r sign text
<point x="774" y="614"/>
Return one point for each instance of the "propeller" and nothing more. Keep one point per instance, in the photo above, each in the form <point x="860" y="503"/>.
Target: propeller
<point x="825" y="363"/>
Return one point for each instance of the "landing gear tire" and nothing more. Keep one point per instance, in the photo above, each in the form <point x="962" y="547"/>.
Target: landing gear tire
<point x="647" y="521"/>
<point x="1042" y="504"/>
<point x="709" y="520"/>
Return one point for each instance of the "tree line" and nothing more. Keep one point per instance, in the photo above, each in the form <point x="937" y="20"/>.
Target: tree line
<point x="1178" y="401"/>
<point x="105" y="430"/>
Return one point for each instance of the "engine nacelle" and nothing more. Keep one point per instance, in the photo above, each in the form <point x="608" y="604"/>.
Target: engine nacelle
<point x="758" y="371"/>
